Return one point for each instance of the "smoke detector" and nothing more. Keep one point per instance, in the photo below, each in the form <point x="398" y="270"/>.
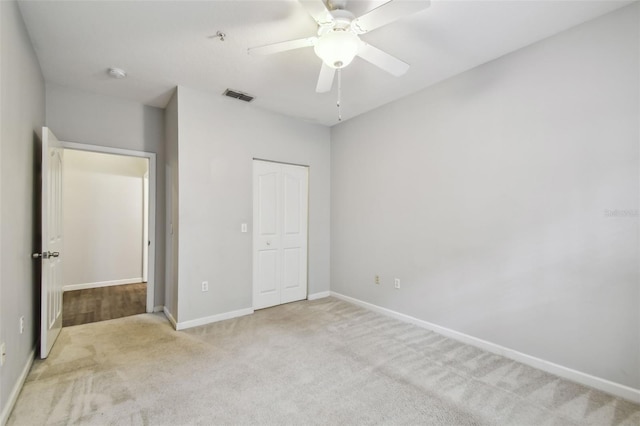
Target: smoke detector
<point x="117" y="73"/>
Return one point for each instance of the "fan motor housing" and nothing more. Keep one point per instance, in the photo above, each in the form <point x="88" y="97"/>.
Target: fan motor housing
<point x="342" y="18"/>
<point x="336" y="4"/>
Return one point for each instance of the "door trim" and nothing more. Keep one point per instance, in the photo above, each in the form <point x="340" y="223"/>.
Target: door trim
<point x="151" y="156"/>
<point x="281" y="162"/>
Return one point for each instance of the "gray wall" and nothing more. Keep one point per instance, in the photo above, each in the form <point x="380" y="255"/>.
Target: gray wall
<point x="172" y="228"/>
<point x="487" y="196"/>
<point x="218" y="138"/>
<point x="82" y="117"/>
<point x="22" y="116"/>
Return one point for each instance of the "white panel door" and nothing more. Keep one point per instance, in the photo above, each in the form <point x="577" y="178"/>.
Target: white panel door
<point x="280" y="210"/>
<point x="266" y="234"/>
<point x="51" y="281"/>
<point x="294" y="233"/>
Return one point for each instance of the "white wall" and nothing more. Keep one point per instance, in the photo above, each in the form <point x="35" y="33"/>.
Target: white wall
<point x="82" y="117"/>
<point x="22" y="114"/>
<point x="102" y="218"/>
<point x="486" y="195"/>
<point x="218" y="138"/>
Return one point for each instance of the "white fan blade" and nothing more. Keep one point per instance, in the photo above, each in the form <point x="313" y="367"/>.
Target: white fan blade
<point x="382" y="59"/>
<point x="283" y="46"/>
<point x="387" y="13"/>
<point x="325" y="79"/>
<point x="318" y="11"/>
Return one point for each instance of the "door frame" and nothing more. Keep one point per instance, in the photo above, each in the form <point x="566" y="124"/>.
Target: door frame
<point x="145" y="227"/>
<point x="151" y="218"/>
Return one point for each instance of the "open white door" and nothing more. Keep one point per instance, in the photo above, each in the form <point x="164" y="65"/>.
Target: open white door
<point x="51" y="312"/>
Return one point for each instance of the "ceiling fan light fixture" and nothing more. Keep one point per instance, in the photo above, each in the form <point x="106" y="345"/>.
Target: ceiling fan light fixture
<point x="337" y="48"/>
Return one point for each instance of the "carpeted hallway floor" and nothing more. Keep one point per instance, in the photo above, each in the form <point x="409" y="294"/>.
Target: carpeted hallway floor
<point x="322" y="362"/>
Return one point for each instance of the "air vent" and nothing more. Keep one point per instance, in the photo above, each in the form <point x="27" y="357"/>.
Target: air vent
<point x="238" y="95"/>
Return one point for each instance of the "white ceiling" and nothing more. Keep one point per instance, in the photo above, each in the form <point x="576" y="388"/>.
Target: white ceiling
<point x="163" y="44"/>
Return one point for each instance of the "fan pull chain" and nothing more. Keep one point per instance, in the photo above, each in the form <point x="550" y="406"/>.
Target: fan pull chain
<point x="339" y="94"/>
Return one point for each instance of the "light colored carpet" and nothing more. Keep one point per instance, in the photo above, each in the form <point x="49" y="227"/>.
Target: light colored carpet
<point x="321" y="362"/>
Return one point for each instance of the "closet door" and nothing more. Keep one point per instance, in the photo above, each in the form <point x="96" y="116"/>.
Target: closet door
<point x="294" y="233"/>
<point x="280" y="223"/>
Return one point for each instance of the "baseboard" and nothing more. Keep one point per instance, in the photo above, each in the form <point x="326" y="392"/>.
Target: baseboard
<point x="13" y="397"/>
<point x="159" y="308"/>
<point x="170" y="317"/>
<point x="604" y="385"/>
<point x="71" y="287"/>
<point x="319" y="295"/>
<point x="213" y="318"/>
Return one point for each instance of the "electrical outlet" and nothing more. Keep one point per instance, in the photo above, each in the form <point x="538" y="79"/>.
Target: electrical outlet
<point x="205" y="285"/>
<point x="377" y="279"/>
<point x="243" y="227"/>
<point x="21" y="325"/>
<point x="396" y="283"/>
<point x="3" y="353"/>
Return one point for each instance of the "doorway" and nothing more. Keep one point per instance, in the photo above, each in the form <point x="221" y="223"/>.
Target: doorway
<point x="280" y="240"/>
<point x="105" y="246"/>
<point x="52" y="233"/>
<point x="110" y="231"/>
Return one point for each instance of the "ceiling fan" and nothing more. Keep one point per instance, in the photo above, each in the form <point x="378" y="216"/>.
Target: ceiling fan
<point x="338" y="41"/>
